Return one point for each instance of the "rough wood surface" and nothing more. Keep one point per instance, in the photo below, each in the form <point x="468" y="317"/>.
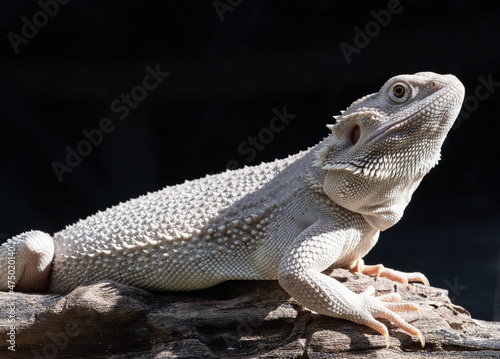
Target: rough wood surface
<point x="241" y="319"/>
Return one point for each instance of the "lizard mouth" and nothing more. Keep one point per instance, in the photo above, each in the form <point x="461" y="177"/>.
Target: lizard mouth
<point x="397" y="124"/>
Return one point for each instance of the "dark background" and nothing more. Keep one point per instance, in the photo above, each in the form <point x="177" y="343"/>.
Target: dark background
<point x="227" y="73"/>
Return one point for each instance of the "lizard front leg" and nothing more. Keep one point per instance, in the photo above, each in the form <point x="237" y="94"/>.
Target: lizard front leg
<point x="300" y="275"/>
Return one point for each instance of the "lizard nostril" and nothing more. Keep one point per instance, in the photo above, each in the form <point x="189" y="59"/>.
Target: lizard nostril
<point x="355" y="134"/>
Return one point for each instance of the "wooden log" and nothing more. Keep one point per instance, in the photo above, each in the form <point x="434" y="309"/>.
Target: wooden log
<point x="238" y="319"/>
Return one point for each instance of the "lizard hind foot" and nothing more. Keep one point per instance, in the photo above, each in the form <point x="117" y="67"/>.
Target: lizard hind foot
<point x="25" y="262"/>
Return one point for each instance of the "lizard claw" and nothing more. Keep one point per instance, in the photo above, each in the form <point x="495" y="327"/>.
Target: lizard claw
<point x="421" y="338"/>
<point x="387" y="339"/>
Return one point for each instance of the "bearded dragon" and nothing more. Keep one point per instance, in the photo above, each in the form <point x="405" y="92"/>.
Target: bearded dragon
<point x="287" y="220"/>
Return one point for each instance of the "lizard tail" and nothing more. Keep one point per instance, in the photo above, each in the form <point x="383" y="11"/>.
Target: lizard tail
<point x="25" y="262"/>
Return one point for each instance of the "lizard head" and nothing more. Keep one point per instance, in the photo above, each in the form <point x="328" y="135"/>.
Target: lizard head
<point x="384" y="143"/>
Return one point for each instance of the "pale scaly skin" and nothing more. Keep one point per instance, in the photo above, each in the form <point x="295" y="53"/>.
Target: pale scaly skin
<point x="287" y="220"/>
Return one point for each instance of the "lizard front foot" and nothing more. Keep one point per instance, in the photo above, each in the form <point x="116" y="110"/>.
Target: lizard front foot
<point x="384" y="306"/>
<point x="327" y="296"/>
<point x="380" y="271"/>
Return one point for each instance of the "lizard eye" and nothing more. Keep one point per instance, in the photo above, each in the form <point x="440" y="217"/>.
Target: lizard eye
<point x="399" y="92"/>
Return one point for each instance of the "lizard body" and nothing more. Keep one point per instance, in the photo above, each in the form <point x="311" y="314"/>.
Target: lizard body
<point x="287" y="220"/>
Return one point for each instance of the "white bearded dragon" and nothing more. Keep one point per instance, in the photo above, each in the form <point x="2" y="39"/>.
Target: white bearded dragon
<point x="287" y="220"/>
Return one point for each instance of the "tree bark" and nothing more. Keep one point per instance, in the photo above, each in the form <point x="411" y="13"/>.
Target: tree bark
<point x="238" y="319"/>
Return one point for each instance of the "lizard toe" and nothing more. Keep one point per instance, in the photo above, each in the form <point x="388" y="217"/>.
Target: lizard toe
<point x="379" y="270"/>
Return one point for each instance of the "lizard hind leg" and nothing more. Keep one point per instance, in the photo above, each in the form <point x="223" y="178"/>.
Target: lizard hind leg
<point x="25" y="262"/>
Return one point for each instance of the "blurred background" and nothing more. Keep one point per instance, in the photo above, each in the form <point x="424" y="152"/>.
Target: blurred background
<point x="72" y="68"/>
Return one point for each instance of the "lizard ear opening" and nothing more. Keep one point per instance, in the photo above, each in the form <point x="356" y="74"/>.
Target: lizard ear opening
<point x="355" y="134"/>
